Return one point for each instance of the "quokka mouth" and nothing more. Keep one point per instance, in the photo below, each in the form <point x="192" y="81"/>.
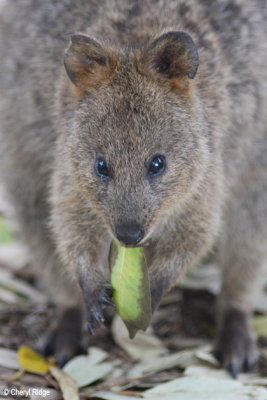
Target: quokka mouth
<point x="131" y="245"/>
<point x="144" y="243"/>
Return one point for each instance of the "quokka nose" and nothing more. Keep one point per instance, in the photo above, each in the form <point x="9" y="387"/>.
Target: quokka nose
<point x="129" y="233"/>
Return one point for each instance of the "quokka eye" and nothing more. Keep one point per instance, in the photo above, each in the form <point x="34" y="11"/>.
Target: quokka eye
<point x="101" y="168"/>
<point x="157" y="165"/>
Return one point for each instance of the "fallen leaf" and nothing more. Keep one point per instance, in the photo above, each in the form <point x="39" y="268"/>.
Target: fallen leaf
<point x="260" y="325"/>
<point x="129" y="279"/>
<point x="6" y="236"/>
<point x="202" y="277"/>
<point x="13" y="255"/>
<point x="220" y="379"/>
<point x="9" y="359"/>
<point x="260" y="297"/>
<point x="152" y="365"/>
<point x="144" y="346"/>
<point x="192" y="387"/>
<point x="252" y="379"/>
<point x="32" y="361"/>
<point x="95" y="355"/>
<point x="67" y="384"/>
<point x="205" y="354"/>
<point x="114" y="396"/>
<point x="6" y="208"/>
<point x="201" y="370"/>
<point x="20" y="288"/>
<point x="8" y="297"/>
<point x="84" y="372"/>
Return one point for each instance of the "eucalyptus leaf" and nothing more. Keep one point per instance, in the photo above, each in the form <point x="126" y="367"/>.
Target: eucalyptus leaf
<point x="129" y="279"/>
<point x="203" y="387"/>
<point x="67" y="385"/>
<point x="260" y="325"/>
<point x="9" y="359"/>
<point x="144" y="346"/>
<point x="114" y="396"/>
<point x="6" y="236"/>
<point x="87" y="369"/>
<point x="156" y="364"/>
<point x="32" y="361"/>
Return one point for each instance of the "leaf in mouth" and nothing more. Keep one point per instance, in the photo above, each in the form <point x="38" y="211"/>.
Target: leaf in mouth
<point x="129" y="279"/>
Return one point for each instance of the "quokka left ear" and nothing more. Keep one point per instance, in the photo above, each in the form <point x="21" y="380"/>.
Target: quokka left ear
<point x="88" y="64"/>
<point x="172" y="55"/>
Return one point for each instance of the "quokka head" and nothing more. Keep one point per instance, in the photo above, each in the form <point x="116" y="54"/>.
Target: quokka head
<point x="138" y="137"/>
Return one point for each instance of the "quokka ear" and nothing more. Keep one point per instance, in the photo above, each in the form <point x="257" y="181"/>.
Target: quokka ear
<point x="173" y="56"/>
<point x="86" y="61"/>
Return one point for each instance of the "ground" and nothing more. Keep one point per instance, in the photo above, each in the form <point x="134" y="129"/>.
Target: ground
<point x="172" y="361"/>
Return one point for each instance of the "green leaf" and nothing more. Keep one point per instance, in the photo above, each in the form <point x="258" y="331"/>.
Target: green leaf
<point x="129" y="279"/>
<point x="260" y="325"/>
<point x="5" y="234"/>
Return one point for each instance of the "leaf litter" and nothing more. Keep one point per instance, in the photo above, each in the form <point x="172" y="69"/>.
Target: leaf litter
<point x="148" y="367"/>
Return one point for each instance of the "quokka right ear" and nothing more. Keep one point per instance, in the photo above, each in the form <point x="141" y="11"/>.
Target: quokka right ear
<point x="87" y="63"/>
<point x="172" y="57"/>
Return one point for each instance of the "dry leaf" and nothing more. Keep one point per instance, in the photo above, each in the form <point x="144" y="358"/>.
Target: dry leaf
<point x="88" y="369"/>
<point x="67" y="384"/>
<point x="32" y="361"/>
<point x="144" y="346"/>
<point x="9" y="359"/>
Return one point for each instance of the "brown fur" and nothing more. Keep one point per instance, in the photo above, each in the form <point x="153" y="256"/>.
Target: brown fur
<point x="88" y="64"/>
<point x="134" y="90"/>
